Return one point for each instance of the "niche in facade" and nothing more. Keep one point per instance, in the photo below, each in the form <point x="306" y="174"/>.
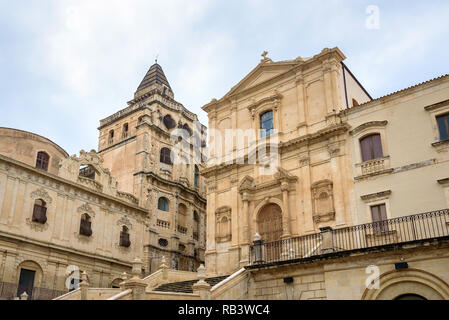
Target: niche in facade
<point x="323" y="201"/>
<point x="223" y="224"/>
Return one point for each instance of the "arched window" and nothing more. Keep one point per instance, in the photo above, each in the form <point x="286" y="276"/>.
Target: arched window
<point x="116" y="283"/>
<point x="87" y="171"/>
<point x="86" y="225"/>
<point x="266" y="124"/>
<point x="111" y="137"/>
<point x="187" y="131"/>
<point x="196" y="225"/>
<point x="124" y="237"/>
<point x="169" y="122"/>
<point x="182" y="213"/>
<point x="354" y="103"/>
<point x="40" y="211"/>
<point x="139" y="120"/>
<point x="196" y="178"/>
<point x="162" y="204"/>
<point x="166" y="156"/>
<point x="125" y="131"/>
<point x="371" y="147"/>
<point x="42" y="161"/>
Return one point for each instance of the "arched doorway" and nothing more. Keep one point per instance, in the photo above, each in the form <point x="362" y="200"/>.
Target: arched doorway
<point x="269" y="225"/>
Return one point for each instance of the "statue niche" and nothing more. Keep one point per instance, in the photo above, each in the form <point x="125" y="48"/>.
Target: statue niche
<point x="223" y="225"/>
<point x="323" y="201"/>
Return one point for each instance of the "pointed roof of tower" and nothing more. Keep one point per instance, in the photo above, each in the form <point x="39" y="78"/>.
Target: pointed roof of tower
<point x="153" y="76"/>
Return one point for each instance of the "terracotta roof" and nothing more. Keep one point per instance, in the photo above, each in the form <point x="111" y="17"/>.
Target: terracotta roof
<point x="402" y="90"/>
<point x="154" y="75"/>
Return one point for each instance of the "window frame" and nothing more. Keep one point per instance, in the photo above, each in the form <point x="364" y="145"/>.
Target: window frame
<point x="42" y="163"/>
<point x="264" y="132"/>
<point x="163" y="156"/>
<point x="162" y="208"/>
<point x="445" y="117"/>
<point x="372" y="155"/>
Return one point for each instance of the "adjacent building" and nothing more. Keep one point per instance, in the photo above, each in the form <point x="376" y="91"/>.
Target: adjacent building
<point x="63" y="215"/>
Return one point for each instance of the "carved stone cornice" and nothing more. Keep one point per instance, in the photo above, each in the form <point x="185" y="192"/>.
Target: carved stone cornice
<point x="86" y="208"/>
<point x="444" y="182"/>
<point x="376" y="196"/>
<point x="308" y="139"/>
<point x="124" y="221"/>
<point x="368" y="125"/>
<point x="274" y="100"/>
<point x="41" y="194"/>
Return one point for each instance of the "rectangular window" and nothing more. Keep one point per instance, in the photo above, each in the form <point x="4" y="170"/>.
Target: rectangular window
<point x="379" y="216"/>
<point x="443" y="126"/>
<point x="266" y="124"/>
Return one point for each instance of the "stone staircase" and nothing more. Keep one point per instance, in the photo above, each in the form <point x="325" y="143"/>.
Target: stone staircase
<point x="186" y="286"/>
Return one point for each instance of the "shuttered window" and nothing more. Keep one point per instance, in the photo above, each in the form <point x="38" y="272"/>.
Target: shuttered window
<point x="371" y="147"/>
<point x="379" y="216"/>
<point x="443" y="126"/>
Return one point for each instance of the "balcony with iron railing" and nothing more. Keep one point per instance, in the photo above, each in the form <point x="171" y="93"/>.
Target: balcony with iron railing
<point x="402" y="230"/>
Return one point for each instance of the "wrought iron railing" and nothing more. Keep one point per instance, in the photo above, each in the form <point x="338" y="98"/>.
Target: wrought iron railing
<point x="424" y="226"/>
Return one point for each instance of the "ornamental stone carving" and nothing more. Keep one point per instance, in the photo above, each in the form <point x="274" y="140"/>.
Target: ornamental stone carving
<point x="86" y="208"/>
<point x="41" y="194"/>
<point x="323" y="201"/>
<point x="223" y="224"/>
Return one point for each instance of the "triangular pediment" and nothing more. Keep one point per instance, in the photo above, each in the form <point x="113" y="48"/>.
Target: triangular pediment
<point x="262" y="73"/>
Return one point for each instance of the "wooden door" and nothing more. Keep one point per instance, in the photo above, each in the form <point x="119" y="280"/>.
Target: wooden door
<point x="269" y="224"/>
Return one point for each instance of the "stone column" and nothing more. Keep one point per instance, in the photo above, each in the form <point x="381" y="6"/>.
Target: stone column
<point x="202" y="287"/>
<point x="286" y="214"/>
<point x="245" y="221"/>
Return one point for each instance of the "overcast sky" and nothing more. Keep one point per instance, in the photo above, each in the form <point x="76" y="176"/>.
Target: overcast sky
<point x="64" y="65"/>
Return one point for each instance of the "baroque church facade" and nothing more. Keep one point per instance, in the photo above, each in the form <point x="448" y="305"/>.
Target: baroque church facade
<point x="63" y="215"/>
<point x="311" y="189"/>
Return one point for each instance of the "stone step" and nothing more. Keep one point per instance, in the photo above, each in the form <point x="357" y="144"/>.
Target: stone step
<point x="186" y="286"/>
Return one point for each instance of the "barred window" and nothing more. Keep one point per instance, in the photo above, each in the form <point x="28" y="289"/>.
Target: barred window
<point x="40" y="211"/>
<point x="86" y="225"/>
<point x="124" y="238"/>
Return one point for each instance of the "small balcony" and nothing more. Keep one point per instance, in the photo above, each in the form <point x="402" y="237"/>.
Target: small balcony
<point x="373" y="167"/>
<point x="163" y="224"/>
<point x="382" y="234"/>
<point x="182" y="230"/>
